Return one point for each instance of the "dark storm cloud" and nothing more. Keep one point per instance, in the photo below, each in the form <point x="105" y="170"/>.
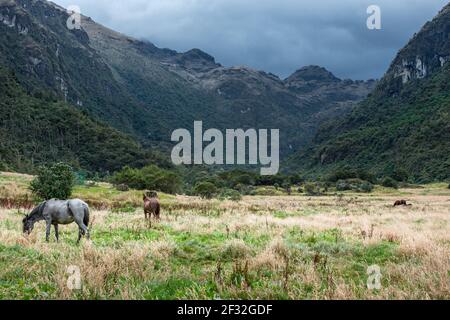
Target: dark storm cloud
<point x="278" y="36"/>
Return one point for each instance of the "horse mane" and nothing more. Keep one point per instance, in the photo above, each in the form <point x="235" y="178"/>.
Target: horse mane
<point x="38" y="211"/>
<point x="150" y="195"/>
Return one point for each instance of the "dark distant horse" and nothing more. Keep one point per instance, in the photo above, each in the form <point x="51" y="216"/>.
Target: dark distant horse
<point x="401" y="203"/>
<point x="151" y="205"/>
<point x="55" y="212"/>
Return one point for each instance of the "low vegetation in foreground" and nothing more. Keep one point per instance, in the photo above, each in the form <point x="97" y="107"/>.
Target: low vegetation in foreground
<point x="261" y="247"/>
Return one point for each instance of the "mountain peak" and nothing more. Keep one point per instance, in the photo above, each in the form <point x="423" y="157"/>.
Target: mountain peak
<point x="313" y="73"/>
<point x="197" y="54"/>
<point x="425" y="54"/>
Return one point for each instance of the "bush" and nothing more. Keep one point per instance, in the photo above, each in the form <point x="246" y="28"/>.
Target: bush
<point x="267" y="191"/>
<point x="148" y="178"/>
<point x="235" y="249"/>
<point x="206" y="190"/>
<point x="354" y="185"/>
<point x="122" y="187"/>
<point x="4" y="166"/>
<point x="448" y="186"/>
<point x="312" y="189"/>
<point x="53" y="182"/>
<point x="400" y="174"/>
<point x="346" y="174"/>
<point x="388" y="182"/>
<point x="230" y="194"/>
<point x="366" y="187"/>
<point x="244" y="189"/>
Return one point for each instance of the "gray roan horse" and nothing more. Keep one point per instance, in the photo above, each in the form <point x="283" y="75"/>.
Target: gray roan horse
<point x="55" y="212"/>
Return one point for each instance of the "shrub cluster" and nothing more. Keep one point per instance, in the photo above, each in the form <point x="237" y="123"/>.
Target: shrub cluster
<point x="148" y="178"/>
<point x="357" y="185"/>
<point x="388" y="182"/>
<point x="53" y="182"/>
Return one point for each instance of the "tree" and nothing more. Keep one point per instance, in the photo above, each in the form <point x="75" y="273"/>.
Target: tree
<point x="53" y="182"/>
<point x="388" y="182"/>
<point x="230" y="194"/>
<point x="148" y="178"/>
<point x="206" y="190"/>
<point x="312" y="189"/>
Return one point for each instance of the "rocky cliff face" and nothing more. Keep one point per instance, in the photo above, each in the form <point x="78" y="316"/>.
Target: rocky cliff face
<point x="404" y="125"/>
<point x="426" y="53"/>
<point x="148" y="92"/>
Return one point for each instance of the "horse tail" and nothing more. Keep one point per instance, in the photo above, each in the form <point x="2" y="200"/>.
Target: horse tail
<point x="86" y="216"/>
<point x="158" y="209"/>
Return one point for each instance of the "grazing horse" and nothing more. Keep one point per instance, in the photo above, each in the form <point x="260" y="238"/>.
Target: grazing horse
<point x="400" y="203"/>
<point x="55" y="212"/>
<point x="151" y="205"/>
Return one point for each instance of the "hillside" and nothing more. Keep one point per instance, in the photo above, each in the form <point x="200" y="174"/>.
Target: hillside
<point x="148" y="92"/>
<point x="404" y="126"/>
<point x="35" y="130"/>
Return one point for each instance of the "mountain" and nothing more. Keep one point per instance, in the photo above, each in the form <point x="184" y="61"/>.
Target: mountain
<point x="403" y="126"/>
<point x="148" y="92"/>
<point x="36" y="130"/>
<point x="235" y="97"/>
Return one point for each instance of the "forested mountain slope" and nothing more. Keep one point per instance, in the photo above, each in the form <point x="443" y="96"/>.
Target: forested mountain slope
<point x="149" y="92"/>
<point x="404" y="125"/>
<point x="39" y="130"/>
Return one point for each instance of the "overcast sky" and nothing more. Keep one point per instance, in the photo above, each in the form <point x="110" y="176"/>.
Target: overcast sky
<point x="278" y="36"/>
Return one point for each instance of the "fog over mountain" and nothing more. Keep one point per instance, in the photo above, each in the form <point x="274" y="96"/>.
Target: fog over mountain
<point x="275" y="36"/>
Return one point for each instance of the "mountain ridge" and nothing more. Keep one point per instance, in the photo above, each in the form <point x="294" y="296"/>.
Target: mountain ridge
<point x="148" y="92"/>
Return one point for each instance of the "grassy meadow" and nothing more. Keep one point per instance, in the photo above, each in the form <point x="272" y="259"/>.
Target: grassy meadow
<point x="263" y="247"/>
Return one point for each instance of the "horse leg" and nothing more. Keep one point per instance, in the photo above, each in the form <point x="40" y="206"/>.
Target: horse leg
<point x="79" y="235"/>
<point x="88" y="234"/>
<point x="57" y="233"/>
<point x="84" y="229"/>
<point x="47" y="231"/>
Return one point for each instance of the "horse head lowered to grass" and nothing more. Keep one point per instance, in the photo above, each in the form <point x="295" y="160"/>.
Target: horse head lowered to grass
<point x="55" y="212"/>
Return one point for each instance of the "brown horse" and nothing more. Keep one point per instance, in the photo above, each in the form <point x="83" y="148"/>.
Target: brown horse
<point x="400" y="203"/>
<point x="151" y="205"/>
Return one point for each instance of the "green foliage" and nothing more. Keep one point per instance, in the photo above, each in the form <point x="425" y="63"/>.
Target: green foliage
<point x="313" y="189"/>
<point x="35" y="131"/>
<point x="347" y="173"/>
<point x="206" y="190"/>
<point x="53" y="182"/>
<point x="148" y="178"/>
<point x="388" y="182"/>
<point x="400" y="174"/>
<point x="354" y="185"/>
<point x="244" y="182"/>
<point x="237" y="178"/>
<point x="4" y="166"/>
<point x="230" y="194"/>
<point x="122" y="187"/>
<point x="266" y="191"/>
